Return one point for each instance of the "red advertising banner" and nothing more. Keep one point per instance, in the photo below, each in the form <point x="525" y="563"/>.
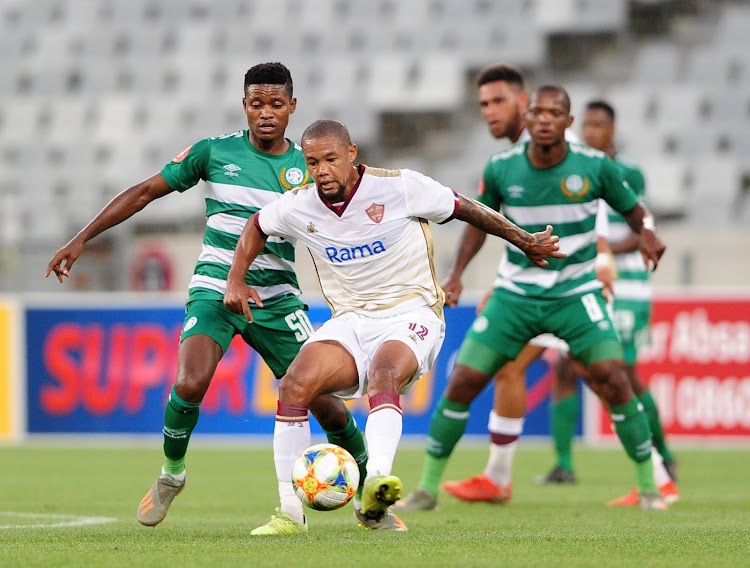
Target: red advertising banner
<point x="697" y="367"/>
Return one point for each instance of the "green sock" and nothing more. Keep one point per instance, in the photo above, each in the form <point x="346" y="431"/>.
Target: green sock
<point x="632" y="428"/>
<point x="446" y="428"/>
<point x="563" y="417"/>
<point x="649" y="406"/>
<point x="180" y="418"/>
<point x="350" y="438"/>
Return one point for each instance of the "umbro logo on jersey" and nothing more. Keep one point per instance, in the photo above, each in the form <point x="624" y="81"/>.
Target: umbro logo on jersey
<point x="231" y="170"/>
<point x="515" y="191"/>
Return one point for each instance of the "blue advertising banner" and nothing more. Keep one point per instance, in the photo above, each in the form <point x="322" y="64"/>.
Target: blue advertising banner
<point x="110" y="369"/>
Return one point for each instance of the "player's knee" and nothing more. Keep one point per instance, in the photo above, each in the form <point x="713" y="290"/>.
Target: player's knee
<point x="612" y="381"/>
<point x="330" y="412"/>
<point x="191" y="386"/>
<point x="297" y="388"/>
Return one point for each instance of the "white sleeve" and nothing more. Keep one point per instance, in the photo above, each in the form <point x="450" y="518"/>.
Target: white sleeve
<point x="601" y="225"/>
<point x="427" y="198"/>
<point x="271" y="217"/>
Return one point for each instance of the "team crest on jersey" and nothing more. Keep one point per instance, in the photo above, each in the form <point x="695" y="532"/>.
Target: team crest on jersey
<point x="515" y="191"/>
<point x="293" y="177"/>
<point x="181" y="156"/>
<point x="574" y="186"/>
<point x="375" y="212"/>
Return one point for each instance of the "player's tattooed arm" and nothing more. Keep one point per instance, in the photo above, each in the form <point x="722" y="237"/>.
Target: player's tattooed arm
<point x="536" y="246"/>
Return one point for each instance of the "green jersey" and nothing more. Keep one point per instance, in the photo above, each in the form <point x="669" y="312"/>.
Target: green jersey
<point x="632" y="282"/>
<point x="565" y="196"/>
<point x="240" y="179"/>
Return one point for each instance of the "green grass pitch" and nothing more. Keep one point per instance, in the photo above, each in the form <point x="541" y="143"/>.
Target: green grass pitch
<point x="231" y="490"/>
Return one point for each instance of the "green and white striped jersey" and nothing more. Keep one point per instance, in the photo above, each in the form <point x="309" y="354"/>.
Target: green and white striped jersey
<point x="564" y="196"/>
<point x="240" y="179"/>
<point x="632" y="282"/>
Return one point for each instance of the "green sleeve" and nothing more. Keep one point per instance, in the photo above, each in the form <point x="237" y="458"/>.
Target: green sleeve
<point x="189" y="167"/>
<point x="635" y="179"/>
<point x="616" y="191"/>
<point x="489" y="189"/>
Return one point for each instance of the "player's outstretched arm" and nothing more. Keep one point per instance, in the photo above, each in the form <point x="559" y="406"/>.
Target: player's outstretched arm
<point x="250" y="244"/>
<point x="536" y="246"/>
<point x="123" y="206"/>
<point x="640" y="219"/>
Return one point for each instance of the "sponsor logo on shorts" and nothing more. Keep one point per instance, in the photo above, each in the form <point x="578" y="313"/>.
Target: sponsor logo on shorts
<point x="481" y="324"/>
<point x="190" y="323"/>
<point x="603" y="325"/>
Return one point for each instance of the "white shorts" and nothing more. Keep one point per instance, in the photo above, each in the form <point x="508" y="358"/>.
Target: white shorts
<point x="550" y="341"/>
<point x="420" y="329"/>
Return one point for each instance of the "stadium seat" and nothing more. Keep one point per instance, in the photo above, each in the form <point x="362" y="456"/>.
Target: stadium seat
<point x="571" y="16"/>
<point x="713" y="189"/>
<point x="665" y="184"/>
<point x="657" y="63"/>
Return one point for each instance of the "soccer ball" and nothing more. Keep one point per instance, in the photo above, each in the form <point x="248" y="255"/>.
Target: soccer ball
<point x="325" y="477"/>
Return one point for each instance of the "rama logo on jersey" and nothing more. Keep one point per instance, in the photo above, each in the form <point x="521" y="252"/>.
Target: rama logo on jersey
<point x="344" y="254"/>
<point x="575" y="186"/>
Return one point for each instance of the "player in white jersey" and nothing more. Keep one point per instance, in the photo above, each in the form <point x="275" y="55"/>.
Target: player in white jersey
<point x="367" y="231"/>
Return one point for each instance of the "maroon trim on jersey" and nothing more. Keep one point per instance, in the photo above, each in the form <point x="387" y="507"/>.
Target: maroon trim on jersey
<point x="339" y="209"/>
<point x="256" y="222"/>
<point x="456" y="202"/>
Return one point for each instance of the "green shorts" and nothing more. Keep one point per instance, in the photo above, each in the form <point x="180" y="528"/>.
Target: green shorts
<point x="277" y="333"/>
<point x="509" y="321"/>
<point x="632" y="319"/>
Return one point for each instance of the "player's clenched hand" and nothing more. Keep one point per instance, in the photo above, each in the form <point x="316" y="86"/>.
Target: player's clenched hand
<point x="237" y="295"/>
<point x="452" y="287"/>
<point x="652" y="248"/>
<point x="68" y="254"/>
<point x="544" y="245"/>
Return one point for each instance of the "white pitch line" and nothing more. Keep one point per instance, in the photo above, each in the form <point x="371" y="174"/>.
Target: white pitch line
<point x="60" y="520"/>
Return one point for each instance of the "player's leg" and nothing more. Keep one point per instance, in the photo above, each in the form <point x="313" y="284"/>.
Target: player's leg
<point x="278" y="332"/>
<point x="499" y="325"/>
<point x="404" y="353"/>
<point x="564" y="409"/>
<point x="321" y="367"/>
<point x="505" y="426"/>
<point x="207" y="333"/>
<point x="585" y="324"/>
<point x="632" y="318"/>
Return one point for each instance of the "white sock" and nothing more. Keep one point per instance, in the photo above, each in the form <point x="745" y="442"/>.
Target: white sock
<point x="661" y="476"/>
<point x="382" y="434"/>
<point x="500" y="462"/>
<point x="178" y="477"/>
<point x="290" y="439"/>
